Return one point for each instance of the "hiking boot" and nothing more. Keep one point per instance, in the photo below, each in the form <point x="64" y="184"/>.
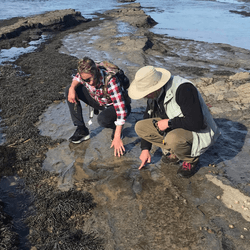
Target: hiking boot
<point x="186" y="170"/>
<point x="169" y="158"/>
<point x="113" y="134"/>
<point x="81" y="134"/>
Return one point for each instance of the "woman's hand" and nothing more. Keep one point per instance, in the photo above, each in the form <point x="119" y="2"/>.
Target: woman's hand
<point x="72" y="96"/>
<point x="118" y="146"/>
<point x="117" y="142"/>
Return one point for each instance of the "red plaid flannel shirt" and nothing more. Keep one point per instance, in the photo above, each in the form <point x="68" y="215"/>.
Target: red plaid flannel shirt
<point x="114" y="91"/>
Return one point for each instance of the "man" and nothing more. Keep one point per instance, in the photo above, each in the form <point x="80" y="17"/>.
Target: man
<point x="176" y="119"/>
<point x="89" y="86"/>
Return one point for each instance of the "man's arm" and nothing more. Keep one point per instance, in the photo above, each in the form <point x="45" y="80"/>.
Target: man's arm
<point x="145" y="145"/>
<point x="188" y="100"/>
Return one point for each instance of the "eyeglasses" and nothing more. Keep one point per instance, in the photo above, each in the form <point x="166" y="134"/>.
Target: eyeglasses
<point x="89" y="79"/>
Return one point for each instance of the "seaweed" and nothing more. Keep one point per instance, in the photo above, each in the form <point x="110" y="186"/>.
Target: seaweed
<point x="9" y="240"/>
<point x="57" y="219"/>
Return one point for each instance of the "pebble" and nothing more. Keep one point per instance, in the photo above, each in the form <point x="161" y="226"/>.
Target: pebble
<point x="218" y="197"/>
<point x="242" y="237"/>
<point x="245" y="229"/>
<point x="230" y="206"/>
<point x="236" y="202"/>
<point x="231" y="226"/>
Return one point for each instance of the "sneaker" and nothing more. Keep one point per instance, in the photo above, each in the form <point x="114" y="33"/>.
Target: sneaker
<point x="81" y="134"/>
<point x="113" y="134"/>
<point x="169" y="158"/>
<point x="186" y="170"/>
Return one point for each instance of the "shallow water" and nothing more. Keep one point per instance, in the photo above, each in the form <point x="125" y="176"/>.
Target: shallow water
<point x="10" y="55"/>
<point x="209" y="21"/>
<point x="202" y="20"/>
<point x="16" y="8"/>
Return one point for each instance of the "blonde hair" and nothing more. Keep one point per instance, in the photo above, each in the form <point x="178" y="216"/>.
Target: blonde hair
<point x="87" y="65"/>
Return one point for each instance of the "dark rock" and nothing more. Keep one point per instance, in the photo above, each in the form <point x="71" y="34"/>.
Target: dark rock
<point x="243" y="13"/>
<point x="126" y="1"/>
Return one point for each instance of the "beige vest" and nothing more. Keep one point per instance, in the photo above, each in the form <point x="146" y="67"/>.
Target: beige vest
<point x="202" y="139"/>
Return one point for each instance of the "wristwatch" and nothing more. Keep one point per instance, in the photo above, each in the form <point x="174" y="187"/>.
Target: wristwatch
<point x="170" y="123"/>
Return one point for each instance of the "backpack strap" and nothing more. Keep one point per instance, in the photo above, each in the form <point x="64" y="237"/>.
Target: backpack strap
<point x="113" y="70"/>
<point x="107" y="78"/>
<point x="125" y="95"/>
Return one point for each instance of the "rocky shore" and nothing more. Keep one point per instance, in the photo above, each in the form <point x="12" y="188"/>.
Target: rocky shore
<point x="81" y="196"/>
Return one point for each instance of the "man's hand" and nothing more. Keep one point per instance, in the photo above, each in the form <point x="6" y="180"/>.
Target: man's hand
<point x="163" y="124"/>
<point x="145" y="157"/>
<point x="118" y="146"/>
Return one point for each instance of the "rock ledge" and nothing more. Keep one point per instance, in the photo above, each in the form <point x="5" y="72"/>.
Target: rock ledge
<point x="53" y="20"/>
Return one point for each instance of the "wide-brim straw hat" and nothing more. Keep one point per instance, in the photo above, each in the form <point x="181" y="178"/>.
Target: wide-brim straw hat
<point x="147" y="80"/>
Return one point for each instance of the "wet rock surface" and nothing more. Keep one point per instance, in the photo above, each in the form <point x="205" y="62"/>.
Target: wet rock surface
<point x="82" y="194"/>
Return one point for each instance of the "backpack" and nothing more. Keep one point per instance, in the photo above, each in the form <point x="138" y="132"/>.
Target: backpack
<point x="114" y="71"/>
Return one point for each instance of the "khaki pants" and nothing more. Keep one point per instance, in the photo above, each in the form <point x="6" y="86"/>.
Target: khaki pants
<point x="178" y="141"/>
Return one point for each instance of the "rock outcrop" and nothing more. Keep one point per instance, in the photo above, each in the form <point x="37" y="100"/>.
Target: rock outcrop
<point x="134" y="15"/>
<point x="228" y="94"/>
<point x="54" y="20"/>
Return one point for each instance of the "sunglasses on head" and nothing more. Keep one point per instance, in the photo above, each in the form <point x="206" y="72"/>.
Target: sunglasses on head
<point x="87" y="80"/>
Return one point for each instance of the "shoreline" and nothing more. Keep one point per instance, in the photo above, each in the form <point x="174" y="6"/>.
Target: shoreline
<point x="124" y="196"/>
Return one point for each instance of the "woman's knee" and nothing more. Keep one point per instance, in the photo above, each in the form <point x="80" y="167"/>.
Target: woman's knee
<point x="101" y="121"/>
<point x="106" y="120"/>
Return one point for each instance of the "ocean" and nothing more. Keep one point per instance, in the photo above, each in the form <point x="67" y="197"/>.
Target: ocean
<point x="213" y="21"/>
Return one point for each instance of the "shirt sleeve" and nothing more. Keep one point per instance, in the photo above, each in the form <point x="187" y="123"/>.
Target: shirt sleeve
<point x="77" y="78"/>
<point x="115" y="93"/>
<point x="188" y="100"/>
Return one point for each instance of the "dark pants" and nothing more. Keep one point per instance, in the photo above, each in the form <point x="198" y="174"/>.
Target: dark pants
<point x="105" y="119"/>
